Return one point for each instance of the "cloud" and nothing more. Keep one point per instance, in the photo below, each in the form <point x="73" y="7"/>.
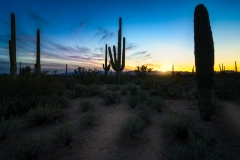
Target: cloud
<point x="100" y="49"/>
<point x="74" y="56"/>
<point x="83" y="49"/>
<point x="37" y="17"/>
<point x="104" y="34"/>
<point x="129" y="46"/>
<point x="137" y="54"/>
<point x="31" y="54"/>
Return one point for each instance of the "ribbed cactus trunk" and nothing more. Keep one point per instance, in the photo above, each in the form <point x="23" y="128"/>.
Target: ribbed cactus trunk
<point x="204" y="60"/>
<point x="12" y="48"/>
<point x="38" y="65"/>
<point x="105" y="67"/>
<point x="116" y="62"/>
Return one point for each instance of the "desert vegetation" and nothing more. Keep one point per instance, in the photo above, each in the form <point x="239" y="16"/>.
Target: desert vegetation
<point x="138" y="116"/>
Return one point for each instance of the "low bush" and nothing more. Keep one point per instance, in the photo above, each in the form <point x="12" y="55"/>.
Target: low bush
<point x="86" y="105"/>
<point x="95" y="89"/>
<point x="113" y="87"/>
<point x="124" y="90"/>
<point x="111" y="97"/>
<point x="41" y="115"/>
<point x="134" y="91"/>
<point x="88" y="119"/>
<point x="133" y="101"/>
<point x="64" y="133"/>
<point x="199" y="148"/>
<point x="143" y="95"/>
<point x="32" y="148"/>
<point x="177" y="126"/>
<point x="145" y="114"/>
<point x="132" y="129"/>
<point x="156" y="103"/>
<point x="38" y="115"/>
<point x="6" y="127"/>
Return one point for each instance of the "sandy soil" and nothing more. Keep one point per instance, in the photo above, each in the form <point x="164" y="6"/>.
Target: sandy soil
<point x="101" y="141"/>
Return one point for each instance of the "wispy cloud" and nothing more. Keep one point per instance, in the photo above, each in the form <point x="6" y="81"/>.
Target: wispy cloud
<point x="37" y="17"/>
<point x="104" y="33"/>
<point x="129" y="46"/>
<point x="137" y="54"/>
<point x="100" y="49"/>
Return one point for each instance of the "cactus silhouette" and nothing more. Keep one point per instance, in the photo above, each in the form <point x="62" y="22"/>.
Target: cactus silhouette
<point x="116" y="62"/>
<point x="105" y="67"/>
<point x="235" y="66"/>
<point x="12" y="48"/>
<point x="66" y="71"/>
<point x="204" y="60"/>
<point x="38" y="65"/>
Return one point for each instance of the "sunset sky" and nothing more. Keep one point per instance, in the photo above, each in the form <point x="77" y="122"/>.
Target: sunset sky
<point x="158" y="33"/>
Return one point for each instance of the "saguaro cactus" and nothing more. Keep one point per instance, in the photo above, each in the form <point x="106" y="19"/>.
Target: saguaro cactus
<point x="66" y="71"/>
<point x="204" y="60"/>
<point x="105" y="67"/>
<point x="235" y="66"/>
<point x="12" y="48"/>
<point x="116" y="62"/>
<point x="38" y="65"/>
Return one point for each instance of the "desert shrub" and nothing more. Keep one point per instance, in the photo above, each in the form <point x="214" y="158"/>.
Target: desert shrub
<point x="88" y="119"/>
<point x="32" y="148"/>
<point x="111" y="97"/>
<point x="57" y="113"/>
<point x="113" y="87"/>
<point x="124" y="90"/>
<point x="38" y="115"/>
<point x="54" y="100"/>
<point x="134" y="91"/>
<point x="71" y="94"/>
<point x="69" y="82"/>
<point x="95" y="89"/>
<point x="86" y="105"/>
<point x="149" y="83"/>
<point x="64" y="133"/>
<point x="87" y="92"/>
<point x="143" y="95"/>
<point x="199" y="148"/>
<point x="6" y="127"/>
<point x="145" y="114"/>
<point x="133" y="101"/>
<point x="174" y="92"/>
<point x="177" y="126"/>
<point x="156" y="103"/>
<point x="132" y="129"/>
<point x="157" y="92"/>
<point x="79" y="89"/>
<point x="43" y="114"/>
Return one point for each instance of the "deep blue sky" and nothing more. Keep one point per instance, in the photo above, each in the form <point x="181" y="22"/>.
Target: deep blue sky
<point x="158" y="33"/>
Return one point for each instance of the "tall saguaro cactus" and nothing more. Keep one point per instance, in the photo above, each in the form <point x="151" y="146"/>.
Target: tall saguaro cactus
<point x="12" y="48"/>
<point x="204" y="60"/>
<point x="235" y="66"/>
<point x="66" y="71"/>
<point x="38" y="65"/>
<point x="116" y="62"/>
<point x="105" y="67"/>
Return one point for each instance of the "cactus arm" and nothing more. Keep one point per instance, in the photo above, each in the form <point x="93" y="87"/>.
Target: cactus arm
<point x="115" y="55"/>
<point x="111" y="58"/>
<point x="123" y="55"/>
